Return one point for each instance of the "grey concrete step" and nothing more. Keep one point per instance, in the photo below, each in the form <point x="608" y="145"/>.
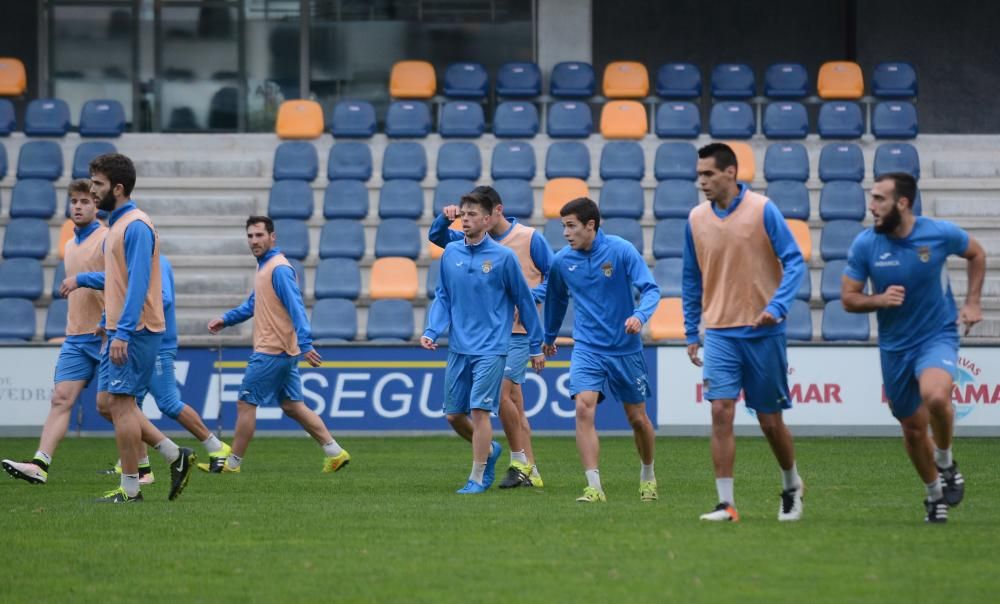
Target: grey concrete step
<point x="182" y="245"/>
<point x="191" y="283"/>
<point x="949" y="168"/>
<point x="198" y="168"/>
<point x="197" y="207"/>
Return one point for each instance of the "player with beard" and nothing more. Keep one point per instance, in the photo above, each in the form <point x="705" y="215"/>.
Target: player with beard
<point x="905" y="257"/>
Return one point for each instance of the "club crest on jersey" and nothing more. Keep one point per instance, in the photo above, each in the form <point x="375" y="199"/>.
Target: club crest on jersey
<point x="487" y="266"/>
<point x="606" y="269"/>
<point x="924" y="252"/>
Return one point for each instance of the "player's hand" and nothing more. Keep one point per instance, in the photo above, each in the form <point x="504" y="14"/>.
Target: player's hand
<point x="538" y="363"/>
<point x="893" y="296"/>
<point x="969" y="316"/>
<point x="693" y="354"/>
<point x="215" y="326"/>
<point x="118" y="352"/>
<point x="633" y="325"/>
<point x="68" y="285"/>
<point x="451" y="212"/>
<point x="428" y="343"/>
<point x="549" y="350"/>
<point x="765" y="319"/>
<point x="312" y="357"/>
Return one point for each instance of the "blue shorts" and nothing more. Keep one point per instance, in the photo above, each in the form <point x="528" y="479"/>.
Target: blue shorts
<point x="624" y="377"/>
<point x="78" y="361"/>
<point x="517" y="358"/>
<point x="473" y="382"/>
<point x="902" y="369"/>
<point x="271" y="379"/>
<point x="757" y="366"/>
<point x="163" y="385"/>
<point x="132" y="377"/>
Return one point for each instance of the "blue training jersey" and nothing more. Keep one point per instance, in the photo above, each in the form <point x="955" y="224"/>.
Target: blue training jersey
<point x="918" y="263"/>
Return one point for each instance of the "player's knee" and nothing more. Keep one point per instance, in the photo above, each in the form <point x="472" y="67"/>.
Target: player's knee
<point x="62" y="398"/>
<point x="584" y="412"/>
<point x="937" y="399"/>
<point x="456" y="418"/>
<point x="721" y="413"/>
<point x="637" y="419"/>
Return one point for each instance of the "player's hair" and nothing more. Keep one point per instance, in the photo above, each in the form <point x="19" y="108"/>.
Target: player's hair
<point x="117" y="168"/>
<point x="485" y="197"/>
<point x="266" y="221"/>
<point x="584" y="209"/>
<point x="721" y="152"/>
<point x="80" y="185"/>
<point x="904" y="185"/>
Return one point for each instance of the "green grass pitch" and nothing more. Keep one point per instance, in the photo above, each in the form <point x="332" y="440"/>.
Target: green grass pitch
<point x="389" y="528"/>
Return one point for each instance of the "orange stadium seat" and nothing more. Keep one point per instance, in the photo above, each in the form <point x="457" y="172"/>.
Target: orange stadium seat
<point x="667" y="323"/>
<point x="299" y="119"/>
<point x="13" y="78"/>
<point x="747" y="166"/>
<point x="840" y="80"/>
<point x="559" y="191"/>
<point x="393" y="277"/>
<point x="800" y="230"/>
<point x="626" y="80"/>
<point x="433" y="250"/>
<point x="412" y="80"/>
<point x="624" y="119"/>
<point x="65" y="234"/>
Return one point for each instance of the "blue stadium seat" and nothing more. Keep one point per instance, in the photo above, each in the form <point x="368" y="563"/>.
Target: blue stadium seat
<point x="17" y="319"/>
<point x="397" y="237"/>
<point x="462" y="119"/>
<point x="334" y="320"/>
<point x="572" y="79"/>
<point x="342" y="239"/>
<point x="85" y="152"/>
<point x="674" y="198"/>
<point x="678" y="120"/>
<point x="3" y="161"/>
<point x="401" y="198"/>
<point x="26" y="238"/>
<point x="46" y="117"/>
<point x="570" y="119"/>
<point x="622" y="198"/>
<point x="733" y="81"/>
<point x="21" y="278"/>
<point x="786" y="161"/>
<point x="791" y="197"/>
<point x="732" y="119"/>
<point x="296" y="160"/>
<point x="345" y="199"/>
<point x="622" y="159"/>
<point x="55" y="319"/>
<point x="837" y="237"/>
<point x="628" y="229"/>
<point x="894" y="80"/>
<point x="553" y="233"/>
<point x="798" y="323"/>
<point x="408" y="119"/>
<point x="841" y="119"/>
<point x="567" y="159"/>
<point x="390" y="321"/>
<point x="786" y="120"/>
<point x="433" y="273"/>
<point x="33" y="198"/>
<point x="293" y="237"/>
<point x="676" y="161"/>
<point x="300" y="273"/>
<point x="450" y="192"/>
<point x="349" y="160"/>
<point x="459" y="160"/>
<point x="669" y="275"/>
<point x="842" y="200"/>
<point x="353" y="119"/>
<point x="520" y="80"/>
<point x="805" y="287"/>
<point x="7" y="120"/>
<point x="896" y="157"/>
<point x="104" y="117"/>
<point x="841" y="161"/>
<point x="678" y="81"/>
<point x="895" y="119"/>
<point x="338" y="278"/>
<point x="404" y="160"/>
<point x="786" y="81"/>
<point x="829" y="287"/>
<point x="668" y="238"/>
<point x="840" y="325"/>
<point x="290" y="199"/>
<point x="40" y="159"/>
<point x="513" y="159"/>
<point x="58" y="276"/>
<point x="466" y="81"/>
<point x="517" y="195"/>
<point x="515" y="119"/>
